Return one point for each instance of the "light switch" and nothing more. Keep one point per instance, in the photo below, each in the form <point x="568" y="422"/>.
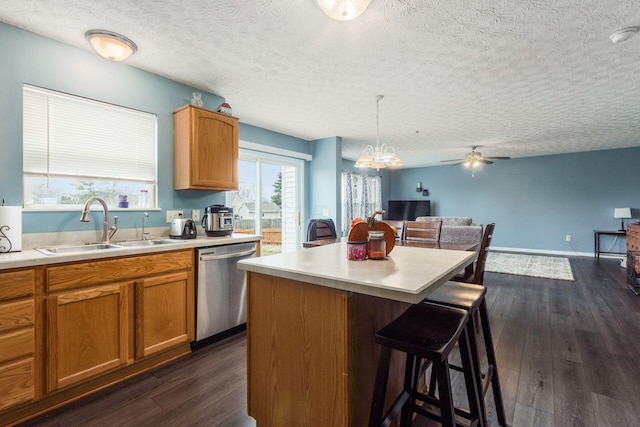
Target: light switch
<point x="325" y="212"/>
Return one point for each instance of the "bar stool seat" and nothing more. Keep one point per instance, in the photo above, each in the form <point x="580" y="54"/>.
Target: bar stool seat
<point x="426" y="332"/>
<point x="471" y="297"/>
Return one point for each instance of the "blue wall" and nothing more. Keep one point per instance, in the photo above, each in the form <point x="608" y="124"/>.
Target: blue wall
<point x="32" y="59"/>
<point x="535" y="202"/>
<point x="324" y="180"/>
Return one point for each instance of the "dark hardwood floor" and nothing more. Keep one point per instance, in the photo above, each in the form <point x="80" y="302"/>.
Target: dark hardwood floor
<point x="568" y="355"/>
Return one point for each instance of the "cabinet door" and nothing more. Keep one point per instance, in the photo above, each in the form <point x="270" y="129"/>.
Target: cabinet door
<point x="86" y="333"/>
<point x="215" y="151"/>
<point x="164" y="312"/>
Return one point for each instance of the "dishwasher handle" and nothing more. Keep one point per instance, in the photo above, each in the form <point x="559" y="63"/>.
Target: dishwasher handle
<point x="207" y="257"/>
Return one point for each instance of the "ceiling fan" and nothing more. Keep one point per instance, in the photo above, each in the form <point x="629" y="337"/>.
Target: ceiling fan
<point x="475" y="159"/>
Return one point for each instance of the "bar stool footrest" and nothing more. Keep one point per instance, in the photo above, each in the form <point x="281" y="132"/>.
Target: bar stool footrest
<point x="486" y="377"/>
<point x="433" y="413"/>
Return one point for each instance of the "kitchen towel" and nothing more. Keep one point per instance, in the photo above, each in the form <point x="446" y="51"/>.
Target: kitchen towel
<point x="10" y="228"/>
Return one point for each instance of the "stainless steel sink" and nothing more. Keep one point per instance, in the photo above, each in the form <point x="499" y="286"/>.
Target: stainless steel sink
<point x="151" y="242"/>
<point x="58" y="250"/>
<point x="54" y="250"/>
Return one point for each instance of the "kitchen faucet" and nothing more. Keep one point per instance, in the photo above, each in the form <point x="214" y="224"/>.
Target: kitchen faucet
<point x="106" y="233"/>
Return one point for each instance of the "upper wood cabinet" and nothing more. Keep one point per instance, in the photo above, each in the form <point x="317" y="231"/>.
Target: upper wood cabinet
<point x="205" y="150"/>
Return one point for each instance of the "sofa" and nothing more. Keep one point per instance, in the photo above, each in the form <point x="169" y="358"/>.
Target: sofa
<point x="457" y="229"/>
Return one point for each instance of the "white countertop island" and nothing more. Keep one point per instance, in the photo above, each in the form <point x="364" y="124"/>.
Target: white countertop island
<point x="311" y="324"/>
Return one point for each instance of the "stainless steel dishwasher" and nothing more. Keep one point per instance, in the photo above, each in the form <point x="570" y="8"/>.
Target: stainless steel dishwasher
<point x="221" y="291"/>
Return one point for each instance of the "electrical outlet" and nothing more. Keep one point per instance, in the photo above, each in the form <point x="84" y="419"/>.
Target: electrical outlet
<point x="568" y="238"/>
<point x="195" y="215"/>
<point x="171" y="215"/>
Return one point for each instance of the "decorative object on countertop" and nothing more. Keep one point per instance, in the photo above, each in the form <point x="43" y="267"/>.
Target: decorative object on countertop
<point x="197" y="99"/>
<point x="360" y="230"/>
<point x="356" y="251"/>
<point x="225" y="108"/>
<point x="10" y="229"/>
<point x="377" y="246"/>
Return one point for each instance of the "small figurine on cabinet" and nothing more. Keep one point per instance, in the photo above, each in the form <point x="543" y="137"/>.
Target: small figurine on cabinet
<point x="225" y="108"/>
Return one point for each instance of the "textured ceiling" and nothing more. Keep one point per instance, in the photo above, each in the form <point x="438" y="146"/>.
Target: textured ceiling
<point x="518" y="78"/>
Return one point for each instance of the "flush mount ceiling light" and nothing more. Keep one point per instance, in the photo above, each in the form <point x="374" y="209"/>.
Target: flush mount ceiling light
<point x="343" y="10"/>
<point x="110" y="45"/>
<point x="623" y="34"/>
<point x="382" y="155"/>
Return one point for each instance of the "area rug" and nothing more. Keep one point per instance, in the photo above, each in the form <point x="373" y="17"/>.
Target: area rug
<point x="529" y="265"/>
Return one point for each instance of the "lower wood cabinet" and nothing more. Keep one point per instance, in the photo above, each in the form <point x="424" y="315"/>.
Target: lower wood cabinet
<point x="69" y="329"/>
<point x="18" y="382"/>
<point x="87" y="333"/>
<point x="164" y="313"/>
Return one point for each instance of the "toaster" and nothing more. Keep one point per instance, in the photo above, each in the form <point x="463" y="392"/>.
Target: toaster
<point x="183" y="229"/>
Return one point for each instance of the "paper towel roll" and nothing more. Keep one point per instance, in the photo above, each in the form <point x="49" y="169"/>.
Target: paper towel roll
<point x="10" y="228"/>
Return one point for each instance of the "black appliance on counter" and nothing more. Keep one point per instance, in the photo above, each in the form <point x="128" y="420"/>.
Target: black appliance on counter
<point x="218" y="220"/>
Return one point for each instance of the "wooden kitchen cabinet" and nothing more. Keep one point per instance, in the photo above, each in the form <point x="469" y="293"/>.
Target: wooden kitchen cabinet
<point x="87" y="333"/>
<point x="69" y="329"/>
<point x="205" y="150"/>
<point x="18" y="350"/>
<point x="164" y="312"/>
<point x="99" y="312"/>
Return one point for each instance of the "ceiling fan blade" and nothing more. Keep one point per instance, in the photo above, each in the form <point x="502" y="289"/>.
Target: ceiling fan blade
<point x="454" y="160"/>
<point x="485" y="161"/>
<point x="497" y="158"/>
<point x="456" y="164"/>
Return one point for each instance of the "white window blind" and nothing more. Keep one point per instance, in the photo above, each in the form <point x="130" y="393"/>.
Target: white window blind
<point x="66" y="136"/>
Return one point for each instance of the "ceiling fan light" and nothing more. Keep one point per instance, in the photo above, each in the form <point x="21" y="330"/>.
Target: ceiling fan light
<point x="466" y="164"/>
<point x="111" y="46"/>
<point x="475" y="164"/>
<point x="343" y="10"/>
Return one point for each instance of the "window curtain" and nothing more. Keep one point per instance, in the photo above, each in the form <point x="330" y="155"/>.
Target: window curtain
<point x="361" y="196"/>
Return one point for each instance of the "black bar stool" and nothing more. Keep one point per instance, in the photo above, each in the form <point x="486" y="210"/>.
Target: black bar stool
<point x="426" y="332"/>
<point x="471" y="298"/>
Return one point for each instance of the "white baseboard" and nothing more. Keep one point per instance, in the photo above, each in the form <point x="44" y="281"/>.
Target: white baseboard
<point x="549" y="252"/>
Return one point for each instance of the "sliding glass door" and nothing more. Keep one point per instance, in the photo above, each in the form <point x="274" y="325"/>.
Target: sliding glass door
<point x="269" y="200"/>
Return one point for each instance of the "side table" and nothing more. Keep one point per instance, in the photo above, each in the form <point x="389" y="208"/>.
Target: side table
<point x="596" y="241"/>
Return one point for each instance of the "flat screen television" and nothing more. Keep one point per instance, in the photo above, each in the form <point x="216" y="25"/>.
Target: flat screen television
<point x="408" y="210"/>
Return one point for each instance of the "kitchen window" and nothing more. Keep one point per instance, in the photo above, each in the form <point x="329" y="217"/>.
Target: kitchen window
<point x="75" y="148"/>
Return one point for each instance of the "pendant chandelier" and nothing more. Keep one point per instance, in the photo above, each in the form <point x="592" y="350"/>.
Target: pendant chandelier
<point x="343" y="10"/>
<point x="382" y="155"/>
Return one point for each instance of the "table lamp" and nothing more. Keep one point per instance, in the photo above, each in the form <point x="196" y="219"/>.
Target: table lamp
<point x="622" y="213"/>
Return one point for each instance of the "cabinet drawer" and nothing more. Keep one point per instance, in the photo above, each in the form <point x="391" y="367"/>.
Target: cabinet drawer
<point x="16" y="344"/>
<point x="16" y="383"/>
<point x="16" y="314"/>
<point x="15" y="284"/>
<point x="70" y="276"/>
